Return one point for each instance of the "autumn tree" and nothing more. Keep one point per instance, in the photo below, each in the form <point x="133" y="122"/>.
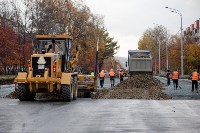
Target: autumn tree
<point x="192" y="57"/>
<point x="151" y="40"/>
<point x="110" y="47"/>
<point x="174" y="52"/>
<point x="32" y="17"/>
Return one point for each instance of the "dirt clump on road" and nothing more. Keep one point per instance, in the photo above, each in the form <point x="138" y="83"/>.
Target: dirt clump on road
<point x="12" y="95"/>
<point x="140" y="86"/>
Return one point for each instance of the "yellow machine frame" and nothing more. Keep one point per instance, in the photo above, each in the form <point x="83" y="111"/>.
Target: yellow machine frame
<point x="27" y="84"/>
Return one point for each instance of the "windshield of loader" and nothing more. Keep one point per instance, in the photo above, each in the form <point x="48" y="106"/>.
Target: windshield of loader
<point x="48" y="47"/>
<point x="53" y="44"/>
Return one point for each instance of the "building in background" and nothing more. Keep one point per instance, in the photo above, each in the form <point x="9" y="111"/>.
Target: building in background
<point x="193" y="31"/>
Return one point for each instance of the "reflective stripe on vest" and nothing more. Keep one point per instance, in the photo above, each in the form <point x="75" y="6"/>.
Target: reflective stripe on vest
<point x="175" y="75"/>
<point x="112" y="74"/>
<point x="194" y="76"/>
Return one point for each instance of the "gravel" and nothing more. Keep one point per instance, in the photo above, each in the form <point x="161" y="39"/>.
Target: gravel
<point x="129" y="89"/>
<point x="141" y="86"/>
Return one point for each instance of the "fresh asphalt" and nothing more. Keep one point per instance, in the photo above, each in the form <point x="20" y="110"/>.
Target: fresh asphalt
<point x="180" y="114"/>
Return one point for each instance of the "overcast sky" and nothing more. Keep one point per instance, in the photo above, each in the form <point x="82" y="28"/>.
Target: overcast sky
<point x="126" y="20"/>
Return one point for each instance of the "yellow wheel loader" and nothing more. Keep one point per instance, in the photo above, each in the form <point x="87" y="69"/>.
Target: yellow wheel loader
<point x="48" y="70"/>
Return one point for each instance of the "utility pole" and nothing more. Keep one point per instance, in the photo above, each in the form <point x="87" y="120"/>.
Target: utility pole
<point x="158" y="41"/>
<point x="96" y="65"/>
<point x="167" y="65"/>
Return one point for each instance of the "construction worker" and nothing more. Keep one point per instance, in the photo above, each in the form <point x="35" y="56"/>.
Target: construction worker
<point x="112" y="77"/>
<point x="168" y="76"/>
<point x="194" y="76"/>
<point x="121" y="75"/>
<point x="50" y="49"/>
<point x="92" y="73"/>
<point x="53" y="47"/>
<point x="101" y="78"/>
<point x="175" y="77"/>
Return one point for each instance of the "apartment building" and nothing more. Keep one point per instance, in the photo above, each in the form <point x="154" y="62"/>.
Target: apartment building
<point x="194" y="31"/>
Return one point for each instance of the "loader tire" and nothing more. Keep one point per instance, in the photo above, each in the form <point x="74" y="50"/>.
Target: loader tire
<point x="66" y="93"/>
<point x="23" y="93"/>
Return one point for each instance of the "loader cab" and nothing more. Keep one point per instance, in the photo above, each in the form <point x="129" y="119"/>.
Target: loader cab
<point x="60" y="44"/>
<point x="54" y="53"/>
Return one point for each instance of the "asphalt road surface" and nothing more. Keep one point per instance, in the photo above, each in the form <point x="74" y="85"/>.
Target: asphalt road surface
<point x="85" y="115"/>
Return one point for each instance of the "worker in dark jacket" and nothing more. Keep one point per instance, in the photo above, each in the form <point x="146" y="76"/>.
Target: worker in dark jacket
<point x="175" y="77"/>
<point x="195" y="77"/>
<point x="101" y="78"/>
<point x="121" y="75"/>
<point x="168" y="76"/>
<point x="112" y="77"/>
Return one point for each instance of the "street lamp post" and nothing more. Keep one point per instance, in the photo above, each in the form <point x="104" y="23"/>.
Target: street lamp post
<point x="180" y="14"/>
<point x="166" y="49"/>
<point x="158" y="41"/>
<point x="96" y="65"/>
<point x="167" y="65"/>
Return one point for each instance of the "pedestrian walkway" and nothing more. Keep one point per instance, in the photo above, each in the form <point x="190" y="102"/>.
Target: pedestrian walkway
<point x="183" y="92"/>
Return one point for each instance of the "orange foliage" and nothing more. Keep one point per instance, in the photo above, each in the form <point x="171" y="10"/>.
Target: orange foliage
<point x="10" y="51"/>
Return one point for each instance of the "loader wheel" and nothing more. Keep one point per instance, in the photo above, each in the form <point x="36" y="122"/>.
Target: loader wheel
<point x="66" y="93"/>
<point x="23" y="93"/>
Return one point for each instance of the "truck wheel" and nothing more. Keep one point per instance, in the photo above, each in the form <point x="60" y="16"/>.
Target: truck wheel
<point x="23" y="93"/>
<point x="66" y="93"/>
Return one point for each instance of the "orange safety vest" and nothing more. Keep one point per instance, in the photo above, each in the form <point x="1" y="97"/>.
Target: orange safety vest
<point x="175" y="75"/>
<point x="195" y="76"/>
<point x="112" y="74"/>
<point x="101" y="75"/>
<point x="121" y="74"/>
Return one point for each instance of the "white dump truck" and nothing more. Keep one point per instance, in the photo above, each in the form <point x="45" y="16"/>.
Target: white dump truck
<point x="139" y="61"/>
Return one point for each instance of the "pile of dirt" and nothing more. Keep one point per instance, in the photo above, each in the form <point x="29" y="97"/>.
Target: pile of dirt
<point x="6" y="81"/>
<point x="12" y="95"/>
<point x="141" y="86"/>
<point x="140" y="55"/>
